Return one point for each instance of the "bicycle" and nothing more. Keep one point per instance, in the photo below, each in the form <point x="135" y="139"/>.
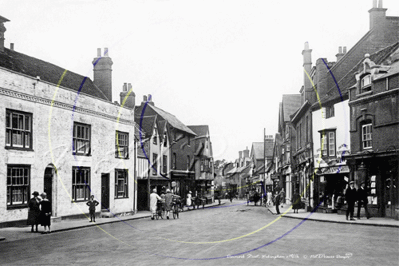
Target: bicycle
<point x="160" y="213"/>
<point x="175" y="209"/>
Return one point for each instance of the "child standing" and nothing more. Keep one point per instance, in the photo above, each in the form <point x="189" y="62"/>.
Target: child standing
<point x="92" y="203"/>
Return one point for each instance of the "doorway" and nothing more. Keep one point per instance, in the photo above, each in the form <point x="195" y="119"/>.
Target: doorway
<point x="48" y="187"/>
<point x="105" y="192"/>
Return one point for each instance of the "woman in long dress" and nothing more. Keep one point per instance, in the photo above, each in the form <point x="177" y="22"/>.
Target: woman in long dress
<point x="34" y="211"/>
<point x="45" y="213"/>
<point x="189" y="202"/>
<point x="153" y="202"/>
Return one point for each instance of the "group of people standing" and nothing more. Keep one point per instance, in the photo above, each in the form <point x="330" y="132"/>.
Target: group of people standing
<point x="351" y="196"/>
<point x="39" y="212"/>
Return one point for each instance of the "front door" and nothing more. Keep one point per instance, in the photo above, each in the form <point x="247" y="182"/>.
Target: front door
<point x="105" y="191"/>
<point x="48" y="187"/>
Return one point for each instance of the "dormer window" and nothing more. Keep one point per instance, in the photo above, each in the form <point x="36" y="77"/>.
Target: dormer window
<point x="365" y="83"/>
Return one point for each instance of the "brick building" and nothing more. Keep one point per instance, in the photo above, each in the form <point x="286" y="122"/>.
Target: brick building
<point x="374" y="128"/>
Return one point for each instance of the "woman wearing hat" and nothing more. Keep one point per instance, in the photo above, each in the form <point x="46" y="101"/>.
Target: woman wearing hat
<point x="34" y="211"/>
<point x="153" y="202"/>
<point x="45" y="213"/>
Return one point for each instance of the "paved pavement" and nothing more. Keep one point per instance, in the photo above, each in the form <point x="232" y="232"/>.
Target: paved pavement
<point x="288" y="212"/>
<point x="16" y="233"/>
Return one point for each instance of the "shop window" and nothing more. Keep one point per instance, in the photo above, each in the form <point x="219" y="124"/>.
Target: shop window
<point x="122" y="145"/>
<point x="367" y="136"/>
<point x="154" y="164"/>
<point x="81" y="139"/>
<point x="80" y="183"/>
<point x="373" y="190"/>
<point x="18" y="130"/>
<point x="121" y="183"/>
<point x="18" y="185"/>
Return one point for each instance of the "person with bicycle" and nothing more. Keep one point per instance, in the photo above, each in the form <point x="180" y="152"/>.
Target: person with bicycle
<point x="153" y="202"/>
<point x="168" y="202"/>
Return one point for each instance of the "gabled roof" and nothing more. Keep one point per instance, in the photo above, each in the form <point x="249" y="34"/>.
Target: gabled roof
<point x="290" y="104"/>
<point x="258" y="150"/>
<point x="147" y="126"/>
<point x="34" y="67"/>
<point x="201" y="131"/>
<point x="171" y="119"/>
<point x="349" y="79"/>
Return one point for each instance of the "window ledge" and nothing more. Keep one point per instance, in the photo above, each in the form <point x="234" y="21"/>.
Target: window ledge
<point x="18" y="149"/>
<point x="364" y="94"/>
<point x="122" y="198"/>
<point x="79" y="201"/>
<point x="17" y="207"/>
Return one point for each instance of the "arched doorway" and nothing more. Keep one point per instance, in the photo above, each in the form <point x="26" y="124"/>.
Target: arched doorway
<point x="49" y="187"/>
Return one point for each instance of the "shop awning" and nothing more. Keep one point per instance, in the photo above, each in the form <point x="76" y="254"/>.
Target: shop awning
<point x="341" y="169"/>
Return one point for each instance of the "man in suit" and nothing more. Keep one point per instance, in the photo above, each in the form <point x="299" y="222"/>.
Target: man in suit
<point x="362" y="200"/>
<point x="350" y="197"/>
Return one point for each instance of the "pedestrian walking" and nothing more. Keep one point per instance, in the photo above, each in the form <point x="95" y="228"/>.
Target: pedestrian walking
<point x="153" y="202"/>
<point x="296" y="202"/>
<point x="350" y="197"/>
<point x="34" y="211"/>
<point x="168" y="202"/>
<point x="45" y="213"/>
<point x="277" y="201"/>
<point x="269" y="199"/>
<point x="92" y="203"/>
<point x="362" y="200"/>
<point x="189" y="200"/>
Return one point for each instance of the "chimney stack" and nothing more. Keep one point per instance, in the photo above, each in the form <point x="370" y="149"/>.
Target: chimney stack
<point x="150" y="100"/>
<point x="2" y="31"/>
<point x="102" y="73"/>
<point x="239" y="154"/>
<point x="307" y="66"/>
<point x="127" y="96"/>
<point x="377" y="15"/>
<point x="340" y="53"/>
<point x="11" y="46"/>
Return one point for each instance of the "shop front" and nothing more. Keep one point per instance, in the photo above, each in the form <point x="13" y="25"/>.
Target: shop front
<point x="380" y="174"/>
<point x="329" y="187"/>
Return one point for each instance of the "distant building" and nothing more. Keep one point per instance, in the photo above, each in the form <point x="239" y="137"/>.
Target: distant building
<point x="181" y="147"/>
<point x="203" y="161"/>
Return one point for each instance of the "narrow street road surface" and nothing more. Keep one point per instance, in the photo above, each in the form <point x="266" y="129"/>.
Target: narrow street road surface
<point x="232" y="234"/>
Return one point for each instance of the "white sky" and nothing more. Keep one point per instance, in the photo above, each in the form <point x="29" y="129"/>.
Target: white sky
<point x="223" y="63"/>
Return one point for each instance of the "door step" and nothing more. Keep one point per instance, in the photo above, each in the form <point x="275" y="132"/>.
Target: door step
<point x="106" y="214"/>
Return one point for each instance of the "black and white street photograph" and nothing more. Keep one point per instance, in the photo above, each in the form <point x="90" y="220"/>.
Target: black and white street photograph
<point x="199" y="132"/>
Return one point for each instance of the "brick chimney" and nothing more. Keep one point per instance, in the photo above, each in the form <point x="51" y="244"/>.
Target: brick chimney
<point x="307" y="66"/>
<point x="239" y="154"/>
<point x="2" y="30"/>
<point x="246" y="153"/>
<point x="102" y="73"/>
<point x="377" y="15"/>
<point x="150" y="100"/>
<point x="341" y="52"/>
<point x="127" y="96"/>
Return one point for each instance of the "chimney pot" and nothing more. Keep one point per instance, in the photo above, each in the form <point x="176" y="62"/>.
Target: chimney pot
<point x="380" y="4"/>
<point x="124" y="86"/>
<point x="340" y="49"/>
<point x="145" y="98"/>
<point x="344" y="51"/>
<point x="98" y="52"/>
<point x="106" y="52"/>
<point x="11" y="46"/>
<point x="374" y="3"/>
<point x="306" y="46"/>
<point x="129" y="86"/>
